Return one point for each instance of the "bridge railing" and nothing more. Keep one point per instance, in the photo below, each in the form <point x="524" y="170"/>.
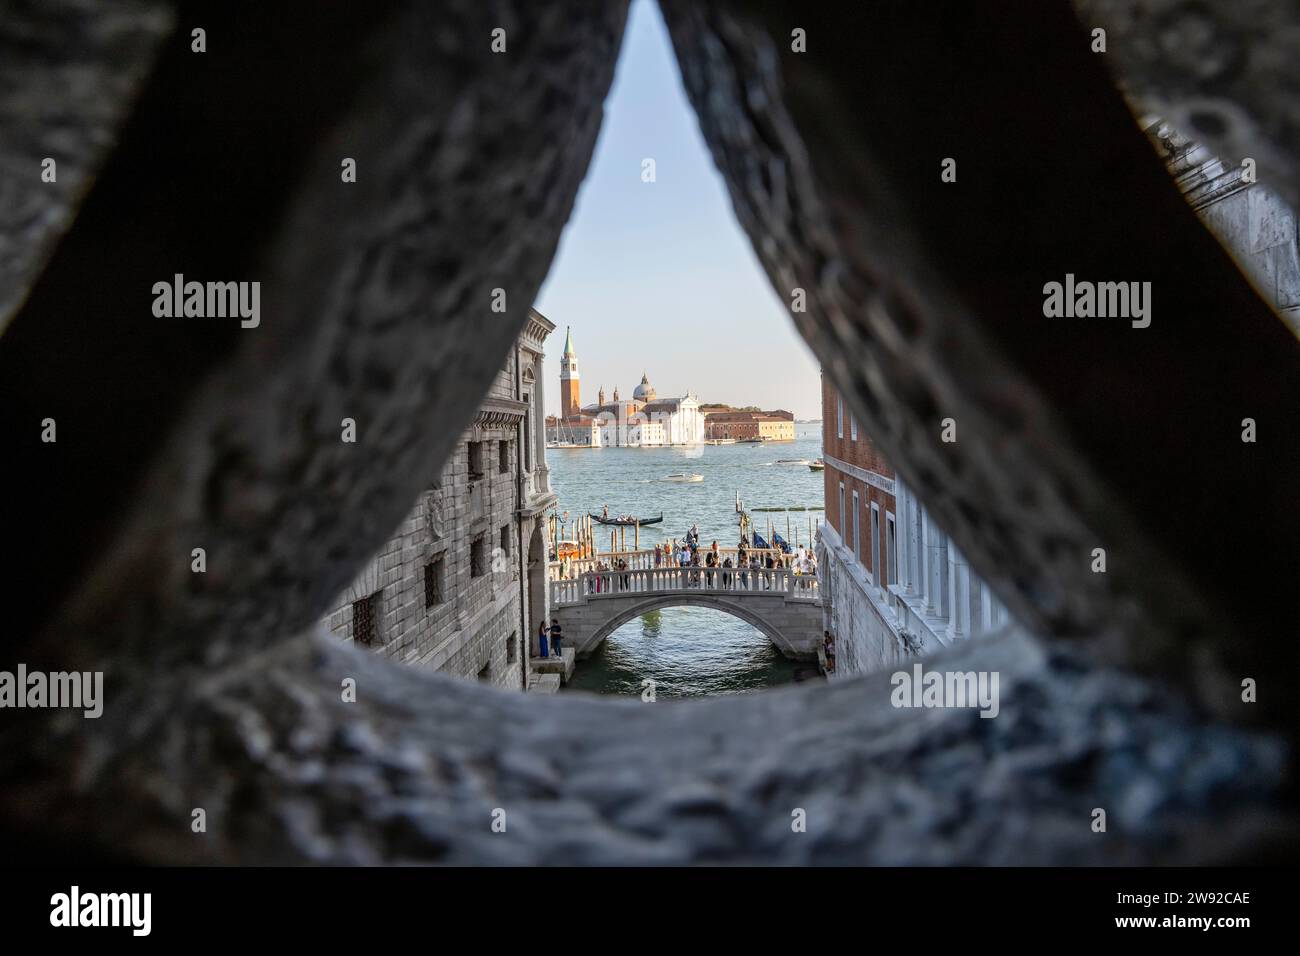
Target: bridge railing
<point x="644" y="559"/>
<point x="601" y="584"/>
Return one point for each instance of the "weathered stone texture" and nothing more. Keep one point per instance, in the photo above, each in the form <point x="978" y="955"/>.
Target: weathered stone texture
<point x="463" y="188"/>
<point x="413" y="771"/>
<point x="925" y="302"/>
<point x="68" y="72"/>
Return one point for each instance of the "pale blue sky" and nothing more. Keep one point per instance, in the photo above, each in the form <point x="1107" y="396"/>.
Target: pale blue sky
<point x="659" y="276"/>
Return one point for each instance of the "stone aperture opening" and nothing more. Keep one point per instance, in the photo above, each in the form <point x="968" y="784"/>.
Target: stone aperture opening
<point x="917" y="299"/>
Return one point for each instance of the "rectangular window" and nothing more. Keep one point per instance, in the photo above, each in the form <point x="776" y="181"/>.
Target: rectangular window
<point x="843" y="528"/>
<point x="505" y="539"/>
<point x="853" y="427"/>
<point x="505" y="450"/>
<point x="475" y="460"/>
<point x="875" y="545"/>
<point x="478" y="557"/>
<point x="512" y="645"/>
<point x="434" y="582"/>
<point x="528" y="433"/>
<point x="839" y="417"/>
<point x="365" y="619"/>
<point x="857" y="539"/>
<point x="891" y="550"/>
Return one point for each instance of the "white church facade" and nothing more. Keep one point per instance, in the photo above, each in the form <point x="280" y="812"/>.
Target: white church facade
<point x="644" y="420"/>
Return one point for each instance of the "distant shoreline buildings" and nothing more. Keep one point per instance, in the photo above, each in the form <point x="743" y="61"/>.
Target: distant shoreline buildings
<point x="646" y="420"/>
<point x="748" y="424"/>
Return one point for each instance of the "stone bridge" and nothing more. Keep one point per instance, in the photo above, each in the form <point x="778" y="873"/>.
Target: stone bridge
<point x="783" y="605"/>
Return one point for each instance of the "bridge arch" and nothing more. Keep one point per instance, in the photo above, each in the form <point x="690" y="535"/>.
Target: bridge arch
<point x="783" y="641"/>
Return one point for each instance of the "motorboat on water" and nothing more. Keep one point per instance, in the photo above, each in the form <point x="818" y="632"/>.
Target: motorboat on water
<point x="818" y="465"/>
<point x="683" y="477"/>
<point x="568" y="549"/>
<point x="793" y="461"/>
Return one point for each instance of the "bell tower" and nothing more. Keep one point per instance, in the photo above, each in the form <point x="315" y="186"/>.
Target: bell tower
<point x="570" y="403"/>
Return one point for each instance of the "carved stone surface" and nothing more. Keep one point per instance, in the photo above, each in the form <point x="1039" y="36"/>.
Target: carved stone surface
<point x="413" y="771"/>
<point x="68" y="72"/>
<point x="377" y="305"/>
<point x="376" y="299"/>
<point x="926" y="304"/>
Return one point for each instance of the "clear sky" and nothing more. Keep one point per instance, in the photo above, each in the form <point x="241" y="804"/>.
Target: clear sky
<point x="659" y="276"/>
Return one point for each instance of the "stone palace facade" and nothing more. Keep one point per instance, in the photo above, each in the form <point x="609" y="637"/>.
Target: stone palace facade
<point x="460" y="587"/>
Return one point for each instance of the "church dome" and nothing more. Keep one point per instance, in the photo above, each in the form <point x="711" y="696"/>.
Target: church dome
<point x="645" y="392"/>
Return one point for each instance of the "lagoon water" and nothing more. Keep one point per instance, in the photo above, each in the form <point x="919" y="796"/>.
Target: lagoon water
<point x="690" y="651"/>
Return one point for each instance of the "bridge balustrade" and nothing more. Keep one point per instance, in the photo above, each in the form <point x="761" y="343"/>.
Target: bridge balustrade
<point x="644" y="559"/>
<point x="598" y="584"/>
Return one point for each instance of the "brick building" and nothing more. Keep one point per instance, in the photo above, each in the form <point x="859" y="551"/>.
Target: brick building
<point x="749" y="425"/>
<point x="461" y="585"/>
<point x="893" y="586"/>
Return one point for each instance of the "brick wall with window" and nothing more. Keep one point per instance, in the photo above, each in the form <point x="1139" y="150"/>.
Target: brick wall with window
<point x="861" y="453"/>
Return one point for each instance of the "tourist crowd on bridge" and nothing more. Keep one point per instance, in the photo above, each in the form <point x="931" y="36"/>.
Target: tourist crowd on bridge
<point x="711" y="566"/>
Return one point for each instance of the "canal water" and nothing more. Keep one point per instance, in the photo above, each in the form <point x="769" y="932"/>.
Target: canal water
<point x="689" y="651"/>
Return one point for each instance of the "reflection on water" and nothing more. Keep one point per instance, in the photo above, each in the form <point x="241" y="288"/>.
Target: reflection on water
<point x="686" y="651"/>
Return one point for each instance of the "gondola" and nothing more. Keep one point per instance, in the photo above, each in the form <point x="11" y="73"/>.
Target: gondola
<point x="626" y="523"/>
